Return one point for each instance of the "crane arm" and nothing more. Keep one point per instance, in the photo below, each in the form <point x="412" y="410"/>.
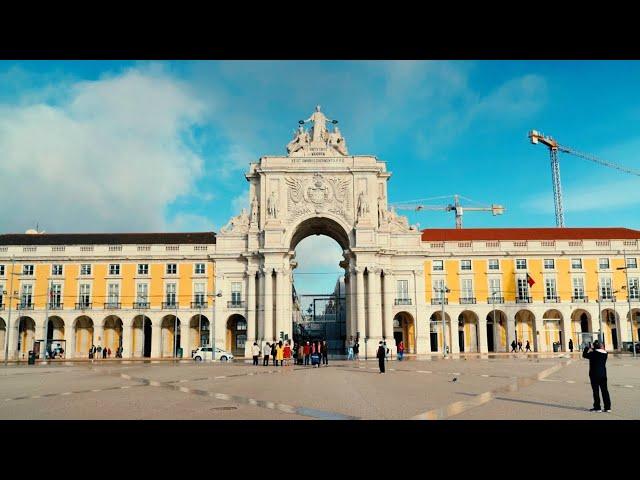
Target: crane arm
<point x="595" y="159"/>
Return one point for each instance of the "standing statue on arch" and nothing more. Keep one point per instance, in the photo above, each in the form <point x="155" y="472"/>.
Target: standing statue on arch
<point x="363" y="206"/>
<point x="319" y="131"/>
<point x="272" y="205"/>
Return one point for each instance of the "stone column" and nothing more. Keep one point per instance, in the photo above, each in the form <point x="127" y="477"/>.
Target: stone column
<point x="251" y="306"/>
<point x="482" y="334"/>
<point x="347" y="295"/>
<point x="156" y="337"/>
<point x="538" y="335"/>
<point x="360" y="320"/>
<point x="287" y="320"/>
<point x="98" y="334"/>
<point x="354" y="302"/>
<point x="279" y="301"/>
<point x="454" y="343"/>
<point x="422" y="326"/>
<point x="389" y="290"/>
<point x="260" y="306"/>
<point x="511" y="329"/>
<point x="565" y="325"/>
<point x="374" y="320"/>
<point x="69" y="347"/>
<point x="127" y="335"/>
<point x="268" y="305"/>
<point x="185" y="334"/>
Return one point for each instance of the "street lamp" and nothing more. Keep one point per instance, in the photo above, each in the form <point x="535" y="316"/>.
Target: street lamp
<point x="212" y="333"/>
<point x="629" y="291"/>
<point x="444" y="290"/>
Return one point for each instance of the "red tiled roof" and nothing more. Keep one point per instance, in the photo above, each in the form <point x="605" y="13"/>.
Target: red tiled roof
<point x="452" y="234"/>
<point x="107" y="238"/>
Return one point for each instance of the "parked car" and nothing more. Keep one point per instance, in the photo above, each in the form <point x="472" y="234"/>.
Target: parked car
<point x="204" y="353"/>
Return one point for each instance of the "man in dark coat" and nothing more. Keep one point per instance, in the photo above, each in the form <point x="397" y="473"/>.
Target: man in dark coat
<point x="381" y="355"/>
<point x="513" y="346"/>
<point x="571" y="345"/>
<point x="597" y="357"/>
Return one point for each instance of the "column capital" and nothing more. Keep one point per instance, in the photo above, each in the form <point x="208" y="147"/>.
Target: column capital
<point x="376" y="270"/>
<point x="251" y="271"/>
<point x="357" y="270"/>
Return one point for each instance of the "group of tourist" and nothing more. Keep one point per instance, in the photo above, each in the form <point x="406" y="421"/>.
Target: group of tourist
<point x="311" y="353"/>
<point x="104" y="352"/>
<point x="517" y="347"/>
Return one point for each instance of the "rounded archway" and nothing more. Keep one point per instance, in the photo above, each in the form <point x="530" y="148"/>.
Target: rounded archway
<point x="236" y="334"/>
<point x="525" y="329"/>
<point x="83" y="336"/>
<point x="404" y="330"/>
<point x="3" y="336"/>
<point x="199" y="332"/>
<point x="112" y="331"/>
<point x="170" y="336"/>
<point x="141" y="340"/>
<point x="468" y="338"/>
<point x="581" y="328"/>
<point x="552" y="330"/>
<point x="320" y="226"/>
<point x="56" y="343"/>
<point x="26" y="336"/>
<point x="435" y="331"/>
<point x="635" y="324"/>
<point x="610" y="330"/>
<point x="497" y="331"/>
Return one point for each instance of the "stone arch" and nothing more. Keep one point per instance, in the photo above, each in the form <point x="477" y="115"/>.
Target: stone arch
<point x="236" y="334"/>
<point x="26" y="335"/>
<point x="497" y="331"/>
<point x="141" y="340"/>
<point x="581" y="328"/>
<point x="468" y="336"/>
<point x="610" y="328"/>
<point x="551" y="330"/>
<point x="3" y="335"/>
<point x="112" y="333"/>
<point x="55" y="335"/>
<point x="435" y="331"/>
<point x="635" y="324"/>
<point x="199" y="332"/>
<point x="83" y="336"/>
<point x="404" y="329"/>
<point x="170" y="336"/>
<point x="327" y="224"/>
<point x="525" y="328"/>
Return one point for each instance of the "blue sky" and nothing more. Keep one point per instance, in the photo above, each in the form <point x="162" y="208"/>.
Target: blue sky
<point x="162" y="146"/>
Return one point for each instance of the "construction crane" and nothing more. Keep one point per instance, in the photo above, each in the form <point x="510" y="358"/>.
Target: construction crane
<point x="554" y="147"/>
<point x="455" y="207"/>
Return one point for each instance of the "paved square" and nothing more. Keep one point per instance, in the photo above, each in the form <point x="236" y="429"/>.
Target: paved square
<point x="492" y="387"/>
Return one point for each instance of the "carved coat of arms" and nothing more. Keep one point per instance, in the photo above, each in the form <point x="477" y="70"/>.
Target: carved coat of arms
<point x="318" y="194"/>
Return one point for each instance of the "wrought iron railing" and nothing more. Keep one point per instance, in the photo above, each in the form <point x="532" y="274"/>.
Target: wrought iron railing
<point x="403" y="301"/>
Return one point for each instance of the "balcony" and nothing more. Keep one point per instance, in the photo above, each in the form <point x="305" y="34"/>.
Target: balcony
<point x="580" y="299"/>
<point x="236" y="304"/>
<point x="523" y="299"/>
<point x="438" y="301"/>
<point x="495" y="299"/>
<point x="112" y="306"/>
<point x="552" y="299"/>
<point x="173" y="305"/>
<point x="468" y="300"/>
<point x="403" y="301"/>
<point x="83" y="306"/>
<point x="610" y="298"/>
<point x="25" y="306"/>
<point x="56" y="306"/>
<point x="141" y="305"/>
<point x="201" y="304"/>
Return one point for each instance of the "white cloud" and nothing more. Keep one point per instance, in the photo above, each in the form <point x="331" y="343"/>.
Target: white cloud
<point x="107" y="155"/>
<point x="241" y="201"/>
<point x="318" y="257"/>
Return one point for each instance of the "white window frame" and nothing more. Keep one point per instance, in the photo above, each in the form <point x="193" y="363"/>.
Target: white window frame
<point x="199" y="297"/>
<point x="54" y="271"/>
<point x="634" y="293"/>
<point x="574" y="267"/>
<point x="550" y="288"/>
<point x="28" y="269"/>
<point x="402" y="293"/>
<point x="2" y="270"/>
<point x="577" y="287"/>
<point x="553" y="264"/>
<point x="85" y="269"/>
<point x="81" y="300"/>
<point x="600" y="267"/>
<point x="171" y="293"/>
<point x="604" y="288"/>
<point x="497" y="264"/>
<point x="110" y="299"/>
<point x="470" y="263"/>
<point x="635" y="262"/>
<point x="175" y="265"/>
<point x="26" y="290"/>
<point x="2" y="294"/>
<point x="466" y="288"/>
<point x="437" y="285"/>
<point x="204" y="269"/>
<point x="522" y="286"/>
<point x="521" y="260"/>
<point x="145" y="290"/>
<point x="433" y="266"/>
<point x="117" y="268"/>
<point x="53" y="301"/>
<point x="138" y="269"/>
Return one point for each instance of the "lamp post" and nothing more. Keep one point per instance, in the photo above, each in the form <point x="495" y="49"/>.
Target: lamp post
<point x="493" y="302"/>
<point x="11" y="297"/>
<point x="629" y="290"/>
<point x="46" y="319"/>
<point x="212" y="328"/>
<point x="444" y="290"/>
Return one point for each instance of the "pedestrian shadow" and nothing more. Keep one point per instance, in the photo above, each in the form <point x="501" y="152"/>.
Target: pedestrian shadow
<point x="542" y="404"/>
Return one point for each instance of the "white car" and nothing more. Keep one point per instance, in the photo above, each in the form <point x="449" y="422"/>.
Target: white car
<point x="204" y="353"/>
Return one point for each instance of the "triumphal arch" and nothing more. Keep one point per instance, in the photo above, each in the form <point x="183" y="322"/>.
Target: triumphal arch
<point x="317" y="188"/>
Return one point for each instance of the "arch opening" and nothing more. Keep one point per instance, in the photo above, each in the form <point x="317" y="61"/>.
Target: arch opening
<point x="497" y="331"/>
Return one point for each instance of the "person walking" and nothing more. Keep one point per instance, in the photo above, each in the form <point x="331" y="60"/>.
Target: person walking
<point x="381" y="355"/>
<point x="386" y="350"/>
<point x="527" y="347"/>
<point x="513" y="346"/>
<point x="255" y="351"/>
<point x="356" y="350"/>
<point x="350" y="352"/>
<point x="104" y="352"/>
<point x="571" y="345"/>
<point x="109" y="352"/>
<point x="519" y="345"/>
<point x="279" y="353"/>
<point x="324" y="349"/>
<point x="273" y="354"/>
<point x="307" y="353"/>
<point x="266" y="351"/>
<point x="597" y="357"/>
<point x="400" y="350"/>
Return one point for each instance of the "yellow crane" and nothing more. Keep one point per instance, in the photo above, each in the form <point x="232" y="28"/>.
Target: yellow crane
<point x="554" y="147"/>
<point x="417" y="205"/>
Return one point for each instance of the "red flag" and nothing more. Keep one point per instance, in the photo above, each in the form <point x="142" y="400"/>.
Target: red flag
<point x="530" y="280"/>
